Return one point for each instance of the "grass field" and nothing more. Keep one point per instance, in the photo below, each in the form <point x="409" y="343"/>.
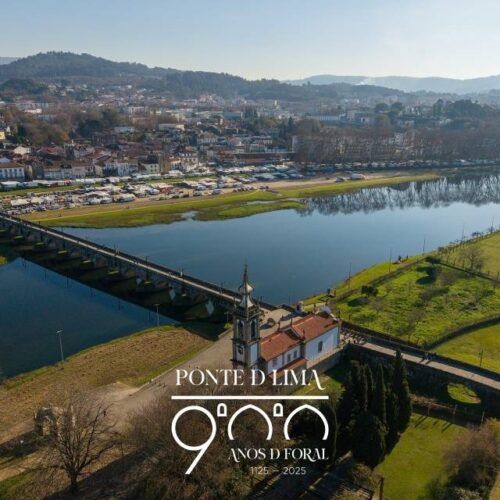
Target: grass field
<point x="491" y="251"/>
<point x="468" y="347"/>
<point x="363" y="277"/>
<point x="417" y="458"/>
<point x="331" y="381"/>
<point x="208" y="208"/>
<point x="132" y="360"/>
<point x="421" y="308"/>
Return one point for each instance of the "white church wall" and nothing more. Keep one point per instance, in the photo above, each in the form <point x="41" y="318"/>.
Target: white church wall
<point x="330" y="340"/>
<point x="283" y="359"/>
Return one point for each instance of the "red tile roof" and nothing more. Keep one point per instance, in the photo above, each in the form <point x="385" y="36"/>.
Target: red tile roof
<point x="300" y="331"/>
<point x="313" y="325"/>
<point x="277" y="343"/>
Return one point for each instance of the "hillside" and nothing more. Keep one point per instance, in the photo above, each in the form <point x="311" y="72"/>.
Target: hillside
<point x="56" y="66"/>
<point x="7" y="60"/>
<point x="410" y="84"/>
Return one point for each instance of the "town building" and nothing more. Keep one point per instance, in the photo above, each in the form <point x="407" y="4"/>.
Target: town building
<point x="12" y="171"/>
<point x="281" y="339"/>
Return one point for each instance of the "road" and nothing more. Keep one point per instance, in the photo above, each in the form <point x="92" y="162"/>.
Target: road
<point x="441" y="366"/>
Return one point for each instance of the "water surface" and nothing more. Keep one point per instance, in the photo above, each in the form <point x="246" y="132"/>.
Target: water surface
<point x="291" y="254"/>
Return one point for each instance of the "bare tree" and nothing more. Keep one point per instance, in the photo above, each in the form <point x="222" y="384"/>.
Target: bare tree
<point x="473" y="458"/>
<point x="473" y="256"/>
<point x="378" y="304"/>
<point x="78" y="437"/>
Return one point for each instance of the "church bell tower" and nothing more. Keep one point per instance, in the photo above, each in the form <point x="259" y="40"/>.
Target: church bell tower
<point x="246" y="328"/>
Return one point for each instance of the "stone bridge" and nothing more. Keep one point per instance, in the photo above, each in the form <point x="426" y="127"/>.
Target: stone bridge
<point x="122" y="265"/>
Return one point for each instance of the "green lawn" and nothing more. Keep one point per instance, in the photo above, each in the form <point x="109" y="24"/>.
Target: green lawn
<point x="331" y="381"/>
<point x="416" y="460"/>
<point x="416" y="307"/>
<point x="363" y="277"/>
<point x="10" y="489"/>
<point x="491" y="252"/>
<point x="468" y="347"/>
<point x="248" y="209"/>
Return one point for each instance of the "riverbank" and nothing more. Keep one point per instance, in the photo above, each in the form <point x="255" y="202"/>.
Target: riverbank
<point x="118" y="365"/>
<point x="423" y="302"/>
<point x="229" y="205"/>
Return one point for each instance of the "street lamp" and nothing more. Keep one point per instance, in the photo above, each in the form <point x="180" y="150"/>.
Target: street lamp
<point x="157" y="314"/>
<point x="59" y="332"/>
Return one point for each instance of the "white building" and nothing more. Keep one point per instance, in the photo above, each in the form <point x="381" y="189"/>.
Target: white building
<point x="119" y="169"/>
<point x="12" y="171"/>
<point x="296" y="343"/>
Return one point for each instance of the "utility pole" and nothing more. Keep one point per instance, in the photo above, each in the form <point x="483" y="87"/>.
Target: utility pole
<point x="59" y="332"/>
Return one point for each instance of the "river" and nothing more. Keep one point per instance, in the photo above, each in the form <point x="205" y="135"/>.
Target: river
<point x="291" y="254"/>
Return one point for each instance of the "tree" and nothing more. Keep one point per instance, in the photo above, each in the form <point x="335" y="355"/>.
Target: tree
<point x="473" y="458"/>
<point x="391" y="420"/>
<point x="347" y="403"/>
<point x="79" y="436"/>
<point x="328" y="410"/>
<point x="360" y="386"/>
<point x="369" y="385"/>
<point x="379" y="397"/>
<point x="378" y="304"/>
<point x="402" y="391"/>
<point x="473" y="255"/>
<point x="368" y="440"/>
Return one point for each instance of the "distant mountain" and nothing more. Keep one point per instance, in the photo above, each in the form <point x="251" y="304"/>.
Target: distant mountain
<point x="53" y="66"/>
<point x="411" y="84"/>
<point x="7" y="60"/>
<point x="67" y="64"/>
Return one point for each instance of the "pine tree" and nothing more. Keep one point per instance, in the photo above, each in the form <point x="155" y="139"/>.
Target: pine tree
<point x="346" y="404"/>
<point x="379" y="397"/>
<point x="368" y="440"/>
<point x="392" y="420"/>
<point x="369" y="385"/>
<point x="328" y="411"/>
<point x="346" y="410"/>
<point x="402" y="391"/>
<point x="360" y="386"/>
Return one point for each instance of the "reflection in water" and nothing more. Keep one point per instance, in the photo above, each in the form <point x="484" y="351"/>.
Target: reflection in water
<point x="475" y="190"/>
<point x="290" y="257"/>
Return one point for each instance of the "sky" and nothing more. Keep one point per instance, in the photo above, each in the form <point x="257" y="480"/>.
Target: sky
<point x="282" y="39"/>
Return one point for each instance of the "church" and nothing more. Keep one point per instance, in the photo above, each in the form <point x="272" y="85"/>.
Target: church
<point x="280" y="339"/>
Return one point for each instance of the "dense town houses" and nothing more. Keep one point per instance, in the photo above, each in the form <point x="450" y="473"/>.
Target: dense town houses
<point x="82" y="132"/>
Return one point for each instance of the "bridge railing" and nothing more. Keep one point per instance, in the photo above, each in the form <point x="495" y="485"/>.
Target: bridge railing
<point x="384" y="341"/>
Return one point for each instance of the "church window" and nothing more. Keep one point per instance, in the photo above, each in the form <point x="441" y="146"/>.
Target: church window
<point x="254" y="329"/>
